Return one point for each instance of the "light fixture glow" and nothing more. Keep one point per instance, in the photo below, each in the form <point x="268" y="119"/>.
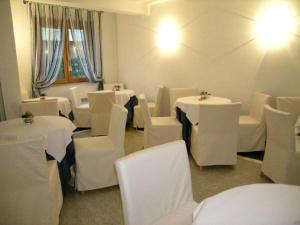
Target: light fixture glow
<point x="275" y="26"/>
<point x="168" y="36"/>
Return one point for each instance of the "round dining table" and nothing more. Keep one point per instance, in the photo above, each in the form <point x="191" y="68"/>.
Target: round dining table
<point x="64" y="105"/>
<point x="190" y="105"/>
<point x="56" y="132"/>
<point x="256" y="204"/>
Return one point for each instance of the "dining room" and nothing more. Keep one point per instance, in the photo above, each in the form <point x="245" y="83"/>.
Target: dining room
<point x="149" y="112"/>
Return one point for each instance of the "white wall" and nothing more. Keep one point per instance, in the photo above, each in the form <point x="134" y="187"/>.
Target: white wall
<point x="8" y="68"/>
<point x="23" y="44"/>
<point x="218" y="52"/>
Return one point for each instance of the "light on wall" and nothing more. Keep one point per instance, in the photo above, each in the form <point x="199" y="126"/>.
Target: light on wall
<point x="168" y="36"/>
<point x="275" y="25"/>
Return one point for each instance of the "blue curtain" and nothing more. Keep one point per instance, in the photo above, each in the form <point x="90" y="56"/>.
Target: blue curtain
<point x="48" y="24"/>
<point x="85" y="32"/>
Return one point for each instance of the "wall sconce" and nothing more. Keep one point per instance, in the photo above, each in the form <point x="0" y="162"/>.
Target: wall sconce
<point x="275" y="25"/>
<point x="168" y="36"/>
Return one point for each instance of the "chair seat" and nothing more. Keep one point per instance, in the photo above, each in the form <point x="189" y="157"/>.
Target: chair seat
<point x="182" y="216"/>
<point x="248" y="120"/>
<point x="94" y="145"/>
<point x="83" y="106"/>
<point x="165" y="121"/>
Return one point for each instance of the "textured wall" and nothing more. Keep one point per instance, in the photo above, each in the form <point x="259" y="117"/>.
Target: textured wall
<point x="219" y="51"/>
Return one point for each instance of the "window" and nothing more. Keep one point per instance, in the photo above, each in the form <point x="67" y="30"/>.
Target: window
<point x="71" y="70"/>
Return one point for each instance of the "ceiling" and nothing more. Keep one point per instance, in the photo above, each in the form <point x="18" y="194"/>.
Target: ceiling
<point x="117" y="6"/>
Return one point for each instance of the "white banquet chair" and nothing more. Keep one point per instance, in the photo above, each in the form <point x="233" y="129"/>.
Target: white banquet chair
<point x="154" y="108"/>
<point x="214" y="141"/>
<point x="289" y="104"/>
<point x="161" y="192"/>
<point x="95" y="156"/>
<point x="41" y="108"/>
<point x="30" y="185"/>
<point x="100" y="109"/>
<point x="80" y="110"/>
<point x="252" y="127"/>
<point x="282" y="155"/>
<point x="158" y="130"/>
<point x="111" y="86"/>
<point x="176" y="93"/>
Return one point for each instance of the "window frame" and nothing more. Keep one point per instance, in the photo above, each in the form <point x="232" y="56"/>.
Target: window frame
<point x="67" y="64"/>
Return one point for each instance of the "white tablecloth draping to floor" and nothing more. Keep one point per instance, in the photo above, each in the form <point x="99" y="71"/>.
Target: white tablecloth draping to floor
<point x="122" y="96"/>
<point x="56" y="131"/>
<point x="257" y="204"/>
<point x="64" y="105"/>
<point x="190" y="105"/>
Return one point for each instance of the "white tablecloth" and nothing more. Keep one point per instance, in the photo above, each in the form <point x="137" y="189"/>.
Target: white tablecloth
<point x="257" y="204"/>
<point x="56" y="131"/>
<point x="63" y="104"/>
<point x="123" y="96"/>
<point x="190" y="105"/>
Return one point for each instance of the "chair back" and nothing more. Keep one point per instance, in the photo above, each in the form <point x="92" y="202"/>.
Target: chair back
<point x="176" y="93"/>
<point x="289" y="104"/>
<point x="117" y="125"/>
<point x="280" y="148"/>
<point x="257" y="106"/>
<point x="162" y="186"/>
<point x="75" y="97"/>
<point x="25" y="191"/>
<point x="145" y="110"/>
<point x="111" y="86"/>
<point x="218" y="132"/>
<point x="159" y="101"/>
<point x="41" y="108"/>
<point x="100" y="109"/>
<point x="280" y="129"/>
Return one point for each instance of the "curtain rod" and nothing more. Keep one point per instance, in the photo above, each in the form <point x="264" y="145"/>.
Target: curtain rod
<point x="27" y="1"/>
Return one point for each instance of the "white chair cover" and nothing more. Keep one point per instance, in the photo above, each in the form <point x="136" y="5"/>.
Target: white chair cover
<point x="100" y="109"/>
<point x="41" y="108"/>
<point x="159" y="193"/>
<point x="158" y="130"/>
<point x="281" y="160"/>
<point x="289" y="104"/>
<point x="215" y="139"/>
<point x="111" y="86"/>
<point x="80" y="110"/>
<point x="154" y="108"/>
<point x="176" y="93"/>
<point x="95" y="156"/>
<point x="252" y="128"/>
<point x="30" y="185"/>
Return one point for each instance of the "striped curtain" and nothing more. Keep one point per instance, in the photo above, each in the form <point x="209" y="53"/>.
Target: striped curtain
<point x="48" y="24"/>
<point x="85" y="32"/>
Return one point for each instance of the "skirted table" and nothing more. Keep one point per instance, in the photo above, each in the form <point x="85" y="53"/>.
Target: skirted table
<point x="57" y="134"/>
<point x="187" y="112"/>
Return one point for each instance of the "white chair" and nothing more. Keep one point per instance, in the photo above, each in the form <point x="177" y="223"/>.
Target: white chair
<point x="156" y="186"/>
<point x="100" y="109"/>
<point x="111" y="86"/>
<point x="158" y="130"/>
<point x="41" y="108"/>
<point x="252" y="128"/>
<point x="30" y="185"/>
<point x="154" y="108"/>
<point x="80" y="110"/>
<point x="215" y="139"/>
<point x="282" y="155"/>
<point x="95" y="156"/>
<point x="289" y="104"/>
<point x="176" y="93"/>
